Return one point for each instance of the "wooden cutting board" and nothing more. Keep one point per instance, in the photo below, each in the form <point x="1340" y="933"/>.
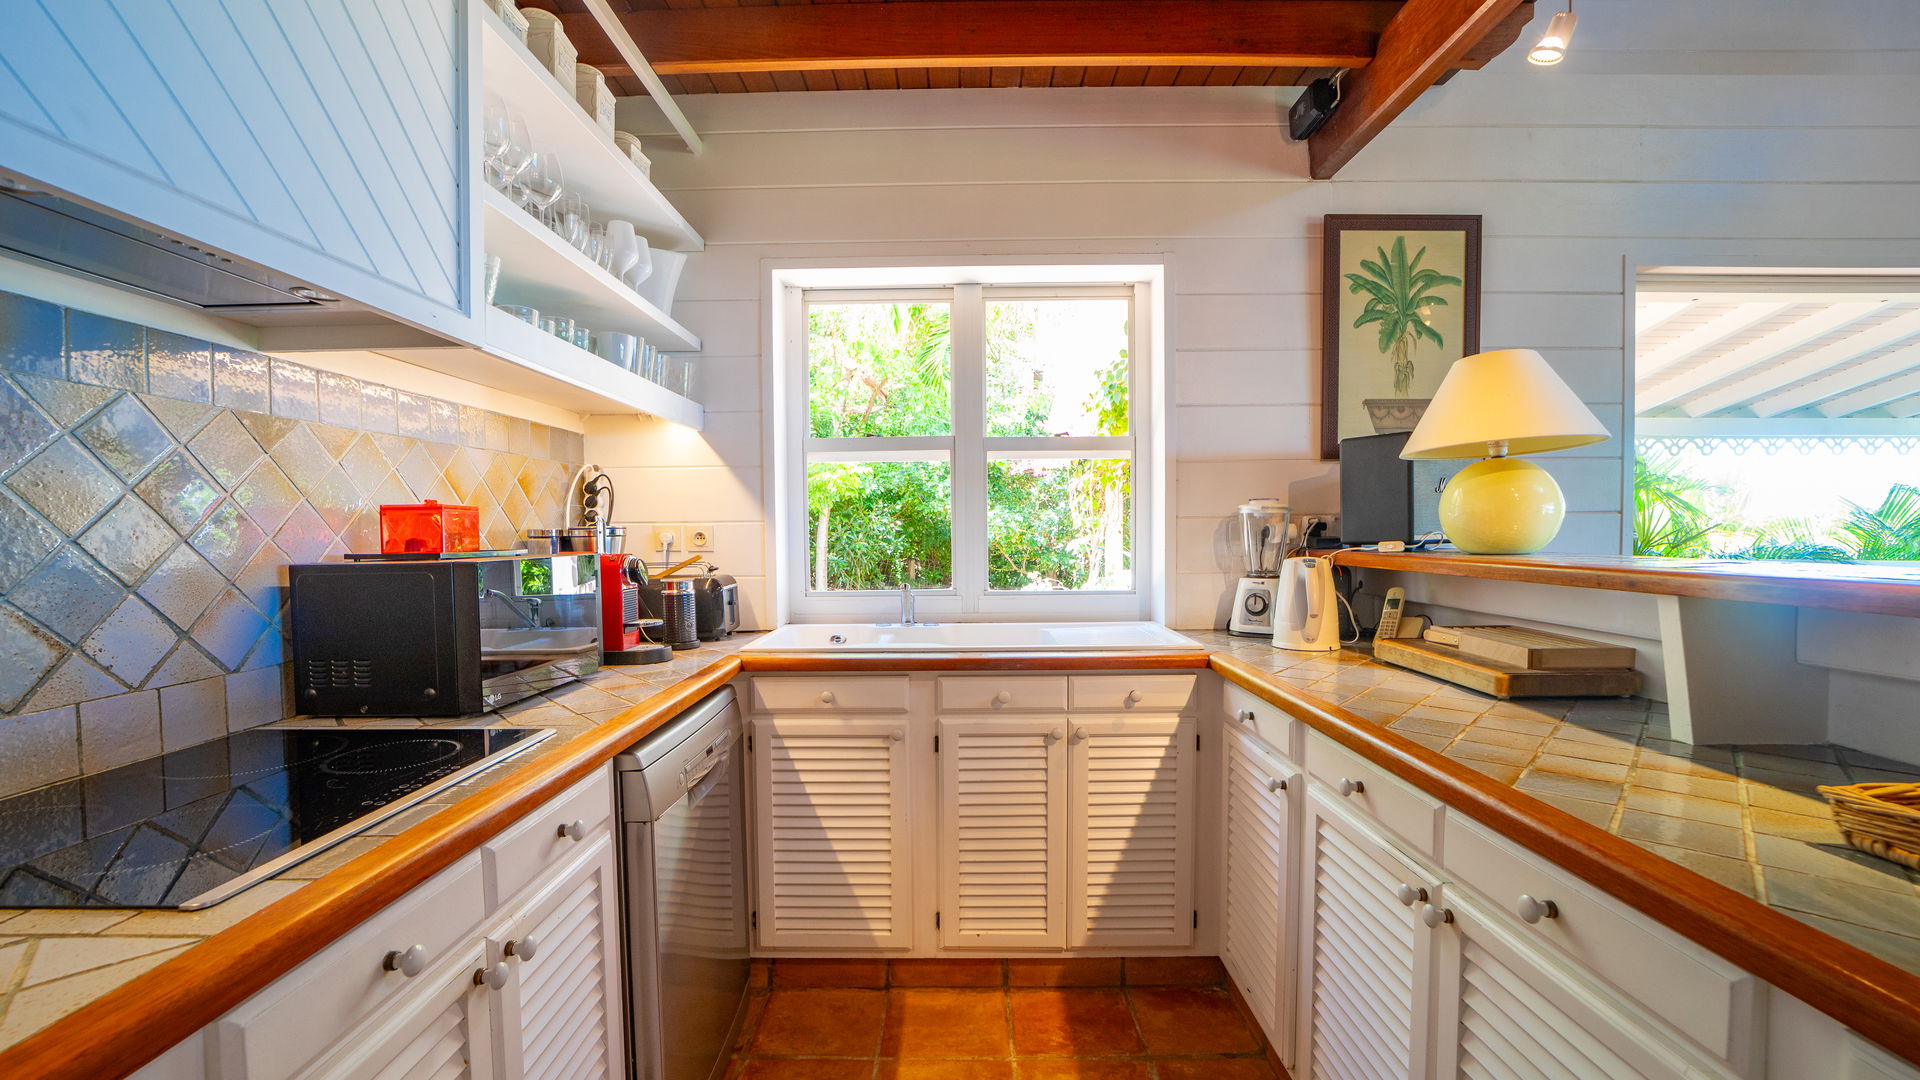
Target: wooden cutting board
<point x="1449" y="663"/>
<point x="1525" y="649"/>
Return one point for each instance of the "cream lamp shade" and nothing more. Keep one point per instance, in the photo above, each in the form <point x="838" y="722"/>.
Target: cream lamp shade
<point x="1492" y="405"/>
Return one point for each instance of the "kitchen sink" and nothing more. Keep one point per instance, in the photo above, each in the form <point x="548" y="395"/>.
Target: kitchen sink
<point x="547" y="641"/>
<point x="973" y="637"/>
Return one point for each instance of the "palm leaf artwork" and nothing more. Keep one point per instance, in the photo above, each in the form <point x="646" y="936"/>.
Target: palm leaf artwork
<point x="1400" y="299"/>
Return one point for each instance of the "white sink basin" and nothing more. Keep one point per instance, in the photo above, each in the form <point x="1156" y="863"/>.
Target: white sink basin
<point x="973" y="637"/>
<point x="548" y="641"/>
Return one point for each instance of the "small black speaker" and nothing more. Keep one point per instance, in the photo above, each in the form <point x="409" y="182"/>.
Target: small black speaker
<point x="1312" y="108"/>
<point x="1385" y="497"/>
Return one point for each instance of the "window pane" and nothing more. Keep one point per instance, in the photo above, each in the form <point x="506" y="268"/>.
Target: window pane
<point x="1060" y="524"/>
<point x="879" y="369"/>
<point x="876" y="525"/>
<point x="1057" y="367"/>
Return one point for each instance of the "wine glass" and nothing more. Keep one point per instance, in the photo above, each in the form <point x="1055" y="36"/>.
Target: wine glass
<point x="624" y="245"/>
<point x="508" y="147"/>
<point x="545" y="183"/>
<point x="576" y="220"/>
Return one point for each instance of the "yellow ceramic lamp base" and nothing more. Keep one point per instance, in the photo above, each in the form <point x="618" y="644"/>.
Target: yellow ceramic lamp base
<point x="1502" y="506"/>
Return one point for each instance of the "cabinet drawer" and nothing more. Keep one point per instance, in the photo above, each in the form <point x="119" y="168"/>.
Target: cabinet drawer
<point x="886" y="693"/>
<point x="1106" y="693"/>
<point x="1371" y="790"/>
<point x="1012" y="695"/>
<point x="1260" y="719"/>
<point x="278" y="1030"/>
<point x="1708" y="999"/>
<point x="515" y="857"/>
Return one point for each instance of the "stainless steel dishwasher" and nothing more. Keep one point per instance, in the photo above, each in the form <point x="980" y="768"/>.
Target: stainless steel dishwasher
<point x="684" y="862"/>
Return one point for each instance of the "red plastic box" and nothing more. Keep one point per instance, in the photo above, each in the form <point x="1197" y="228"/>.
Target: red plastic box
<point x="428" y="526"/>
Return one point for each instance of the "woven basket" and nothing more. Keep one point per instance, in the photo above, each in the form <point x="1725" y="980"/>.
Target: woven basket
<point x="1879" y="819"/>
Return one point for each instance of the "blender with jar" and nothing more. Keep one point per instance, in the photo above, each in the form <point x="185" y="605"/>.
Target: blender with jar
<point x="1263" y="536"/>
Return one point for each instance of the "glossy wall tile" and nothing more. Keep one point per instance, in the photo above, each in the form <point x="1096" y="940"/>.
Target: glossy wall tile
<point x="153" y="490"/>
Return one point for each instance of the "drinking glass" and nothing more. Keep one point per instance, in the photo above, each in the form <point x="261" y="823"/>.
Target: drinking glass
<point x="490" y="279"/>
<point x="544" y="183"/>
<point x="525" y="314"/>
<point x="625" y="245"/>
<point x="575" y="220"/>
<point x="560" y="326"/>
<point x="583" y="337"/>
<point x="509" y="150"/>
<point x="596" y="248"/>
<point x="642" y="267"/>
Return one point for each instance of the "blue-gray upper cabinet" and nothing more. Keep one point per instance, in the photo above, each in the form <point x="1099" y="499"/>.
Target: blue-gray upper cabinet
<point x="322" y="138"/>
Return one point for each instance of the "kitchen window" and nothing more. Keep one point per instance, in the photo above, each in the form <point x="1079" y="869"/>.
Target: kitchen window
<point x="978" y="443"/>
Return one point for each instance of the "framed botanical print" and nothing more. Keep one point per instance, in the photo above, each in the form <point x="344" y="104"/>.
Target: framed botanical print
<point x="1400" y="302"/>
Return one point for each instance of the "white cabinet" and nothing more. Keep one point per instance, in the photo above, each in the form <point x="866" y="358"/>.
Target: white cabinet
<point x="832" y="849"/>
<point x="1003" y="830"/>
<point x="443" y="1029"/>
<point x="560" y="1015"/>
<point x="1066" y="831"/>
<point x="1256" y="939"/>
<point x="1131" y="839"/>
<point x="1367" y="963"/>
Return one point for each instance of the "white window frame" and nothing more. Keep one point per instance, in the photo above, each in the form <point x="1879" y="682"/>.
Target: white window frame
<point x="967" y="446"/>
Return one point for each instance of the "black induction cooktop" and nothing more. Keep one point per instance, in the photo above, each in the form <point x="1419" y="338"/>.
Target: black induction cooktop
<point x="196" y="826"/>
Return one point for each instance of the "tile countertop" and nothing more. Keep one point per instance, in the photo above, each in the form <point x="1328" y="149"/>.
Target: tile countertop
<point x="1746" y="817"/>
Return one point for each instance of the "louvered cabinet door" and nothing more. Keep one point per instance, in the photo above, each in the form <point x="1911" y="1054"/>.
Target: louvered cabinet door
<point x="1003" y="822"/>
<point x="444" y="1029"/>
<point x="561" y="1016"/>
<point x="1367" y="960"/>
<point x="1131" y="831"/>
<point x="832" y="849"/>
<point x="1259" y="869"/>
<point x="1505" y="1009"/>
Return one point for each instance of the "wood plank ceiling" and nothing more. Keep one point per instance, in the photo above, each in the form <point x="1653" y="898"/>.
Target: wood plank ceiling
<point x="1344" y="31"/>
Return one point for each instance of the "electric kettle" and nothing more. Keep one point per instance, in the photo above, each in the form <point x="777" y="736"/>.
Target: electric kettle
<point x="1304" y="616"/>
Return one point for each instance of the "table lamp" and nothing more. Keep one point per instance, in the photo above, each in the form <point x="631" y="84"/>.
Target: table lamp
<point x="1494" y="405"/>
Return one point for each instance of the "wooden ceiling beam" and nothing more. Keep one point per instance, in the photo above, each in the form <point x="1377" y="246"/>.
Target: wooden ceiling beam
<point x="1427" y="39"/>
<point x="1004" y="33"/>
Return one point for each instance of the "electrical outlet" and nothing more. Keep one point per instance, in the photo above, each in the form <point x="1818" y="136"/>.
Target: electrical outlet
<point x="662" y="537"/>
<point x="698" y="538"/>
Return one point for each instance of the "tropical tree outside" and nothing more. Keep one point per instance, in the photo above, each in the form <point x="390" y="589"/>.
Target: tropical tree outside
<point x="1053" y="521"/>
<point x="1680" y="514"/>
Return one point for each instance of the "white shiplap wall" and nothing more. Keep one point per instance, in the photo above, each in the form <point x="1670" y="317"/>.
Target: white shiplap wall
<point x="1729" y="132"/>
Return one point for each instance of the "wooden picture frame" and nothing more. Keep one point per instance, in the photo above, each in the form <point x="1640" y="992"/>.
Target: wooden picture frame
<point x="1377" y="374"/>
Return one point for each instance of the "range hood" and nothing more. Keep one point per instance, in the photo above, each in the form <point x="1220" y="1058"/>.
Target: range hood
<point x="49" y="228"/>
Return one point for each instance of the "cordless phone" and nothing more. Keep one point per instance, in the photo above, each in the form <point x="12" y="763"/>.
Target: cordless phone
<point x="1390" y="614"/>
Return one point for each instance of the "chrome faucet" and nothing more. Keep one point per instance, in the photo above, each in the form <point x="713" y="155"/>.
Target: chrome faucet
<point x="906" y="604"/>
<point x="531" y="616"/>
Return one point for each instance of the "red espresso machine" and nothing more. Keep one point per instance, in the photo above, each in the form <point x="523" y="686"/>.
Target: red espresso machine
<point x="622" y="627"/>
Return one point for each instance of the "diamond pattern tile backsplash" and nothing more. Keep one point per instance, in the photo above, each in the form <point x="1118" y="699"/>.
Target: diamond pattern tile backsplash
<point x="153" y="490"/>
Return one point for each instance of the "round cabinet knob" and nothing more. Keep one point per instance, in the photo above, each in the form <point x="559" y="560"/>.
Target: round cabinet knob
<point x="1002" y="698"/>
<point x="1348" y="787"/>
<point x="1276" y="784"/>
<point x="494" y="978"/>
<point x="1410" y="895"/>
<point x="524" y="948"/>
<point x="1245" y="716"/>
<point x="575" y="830"/>
<point x="826" y="697"/>
<point x="1079" y="734"/>
<point x="1055" y="735"/>
<point x="1435" y="916"/>
<point x="410" y="961"/>
<point x="1133" y="697"/>
<point x="897" y="734"/>
<point x="1532" y="911"/>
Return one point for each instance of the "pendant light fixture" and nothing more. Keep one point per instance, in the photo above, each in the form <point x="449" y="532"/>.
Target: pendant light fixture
<point x="1552" y="47"/>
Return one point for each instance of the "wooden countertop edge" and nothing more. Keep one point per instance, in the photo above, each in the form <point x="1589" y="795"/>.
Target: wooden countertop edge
<point x="825" y="662"/>
<point x="1837" y="594"/>
<point x="134" y="1023"/>
<point x="1862" y="991"/>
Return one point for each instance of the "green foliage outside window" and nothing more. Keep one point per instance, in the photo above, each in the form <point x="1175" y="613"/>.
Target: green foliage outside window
<point x="1678" y="514"/>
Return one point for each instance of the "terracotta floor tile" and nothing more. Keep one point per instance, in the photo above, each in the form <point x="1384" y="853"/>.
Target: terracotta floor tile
<point x="1075" y="971"/>
<point x="1183" y="1021"/>
<point x="1215" y="1069"/>
<point x="1084" y="1069"/>
<point x="1536" y="781"/>
<point x="1674" y="804"/>
<point x="945" y="1024"/>
<point x="1704" y="787"/>
<point x="1680" y="832"/>
<point x="1611" y="772"/>
<point x="760" y="974"/>
<point x="1814" y="830"/>
<point x="1593" y="813"/>
<point x="1472" y="750"/>
<point x="1083" y="1023"/>
<point x="1839" y="862"/>
<point x="1481" y="733"/>
<point x="942" y="972"/>
<point x="1618" y="753"/>
<point x="1872" y="908"/>
<point x="1505" y="774"/>
<point x="1175" y="971"/>
<point x="821" y="1022"/>
<point x="1736" y="874"/>
<point x="864" y="974"/>
<point x="806" y="1069"/>
<point x="911" y="1069"/>
<point x="750" y="1023"/>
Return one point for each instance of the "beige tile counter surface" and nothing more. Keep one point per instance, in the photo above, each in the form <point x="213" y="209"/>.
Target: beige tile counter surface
<point x="1747" y="817"/>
